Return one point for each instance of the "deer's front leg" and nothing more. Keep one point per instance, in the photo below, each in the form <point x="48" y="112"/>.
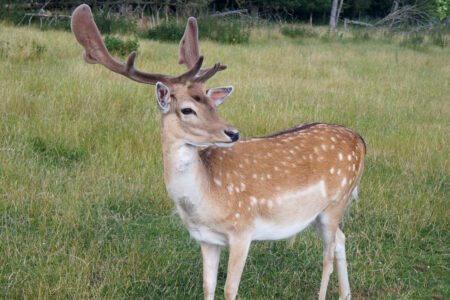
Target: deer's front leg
<point x="238" y="254"/>
<point x="211" y="258"/>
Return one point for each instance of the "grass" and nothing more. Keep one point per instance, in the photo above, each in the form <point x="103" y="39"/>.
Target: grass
<point x="83" y="209"/>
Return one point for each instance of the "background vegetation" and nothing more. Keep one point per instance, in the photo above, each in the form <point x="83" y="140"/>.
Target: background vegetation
<point x="84" y="212"/>
<point x="83" y="209"/>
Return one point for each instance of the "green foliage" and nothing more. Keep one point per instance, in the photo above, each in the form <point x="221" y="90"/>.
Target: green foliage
<point x="228" y="31"/>
<point x="443" y="8"/>
<point x="224" y="31"/>
<point x="117" y="45"/>
<point x="63" y="24"/>
<point x="298" y="31"/>
<point x="170" y="32"/>
<point x="110" y="24"/>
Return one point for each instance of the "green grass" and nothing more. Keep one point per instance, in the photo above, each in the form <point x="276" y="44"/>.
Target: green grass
<point x="83" y="209"/>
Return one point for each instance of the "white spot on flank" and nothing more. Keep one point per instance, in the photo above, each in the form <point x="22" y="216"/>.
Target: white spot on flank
<point x="354" y="167"/>
<point x="247" y="161"/>
<point x="316" y="150"/>
<point x="262" y="201"/>
<point x="230" y="189"/>
<point x="237" y="215"/>
<point x="339" y="171"/>
<point x="220" y="157"/>
<point x="333" y="139"/>
<point x="242" y="186"/>
<point x="254" y="176"/>
<point x="349" y="157"/>
<point x="217" y="181"/>
<point x="278" y="188"/>
<point x="239" y="204"/>
<point x="324" y="147"/>
<point x="241" y="165"/>
<point x="268" y="176"/>
<point x="286" y="171"/>
<point x="340" y="156"/>
<point x="292" y="152"/>
<point x="323" y="188"/>
<point x="253" y="200"/>
<point x="332" y="147"/>
<point x="270" y="204"/>
<point x="344" y="181"/>
<point x="236" y="189"/>
<point x="228" y="175"/>
<point x="332" y="170"/>
<point x="276" y="168"/>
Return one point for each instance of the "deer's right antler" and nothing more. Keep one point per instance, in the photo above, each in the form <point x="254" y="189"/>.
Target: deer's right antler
<point x="88" y="35"/>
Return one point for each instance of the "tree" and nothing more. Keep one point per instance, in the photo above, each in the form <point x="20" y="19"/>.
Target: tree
<point x="336" y="8"/>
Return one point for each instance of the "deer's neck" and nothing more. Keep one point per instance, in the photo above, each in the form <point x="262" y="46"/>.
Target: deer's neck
<point x="184" y="174"/>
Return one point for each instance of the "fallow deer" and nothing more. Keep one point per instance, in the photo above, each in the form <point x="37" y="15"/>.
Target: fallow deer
<point x="229" y="192"/>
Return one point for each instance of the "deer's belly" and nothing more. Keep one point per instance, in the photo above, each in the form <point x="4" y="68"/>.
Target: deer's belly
<point x="266" y="230"/>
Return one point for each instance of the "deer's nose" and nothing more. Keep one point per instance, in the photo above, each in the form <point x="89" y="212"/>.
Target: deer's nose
<point x="234" y="135"/>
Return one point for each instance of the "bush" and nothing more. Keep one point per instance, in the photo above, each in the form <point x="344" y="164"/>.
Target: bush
<point x="223" y="31"/>
<point x="108" y="25"/>
<point x="116" y="45"/>
<point x="170" y="32"/>
<point x="298" y="31"/>
<point x="231" y="31"/>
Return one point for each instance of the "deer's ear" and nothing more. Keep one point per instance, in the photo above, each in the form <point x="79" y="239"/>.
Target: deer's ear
<point x="219" y="94"/>
<point x="163" y="97"/>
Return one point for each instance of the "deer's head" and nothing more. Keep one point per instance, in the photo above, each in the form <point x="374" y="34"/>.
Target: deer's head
<point x="188" y="109"/>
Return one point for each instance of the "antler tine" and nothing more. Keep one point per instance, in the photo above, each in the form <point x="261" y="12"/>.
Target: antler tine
<point x="191" y="74"/>
<point x="206" y="74"/>
<point x="87" y="34"/>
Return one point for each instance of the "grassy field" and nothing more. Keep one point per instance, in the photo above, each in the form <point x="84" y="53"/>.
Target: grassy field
<point x="83" y="209"/>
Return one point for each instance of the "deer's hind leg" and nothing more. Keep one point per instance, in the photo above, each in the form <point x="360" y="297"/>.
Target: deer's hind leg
<point x="333" y="239"/>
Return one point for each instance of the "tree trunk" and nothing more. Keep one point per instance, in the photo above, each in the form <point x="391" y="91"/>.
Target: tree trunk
<point x="333" y="12"/>
<point x="310" y="19"/>
<point x="339" y="11"/>
<point x="166" y="11"/>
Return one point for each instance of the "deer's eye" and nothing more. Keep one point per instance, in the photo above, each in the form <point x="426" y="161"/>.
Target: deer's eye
<point x="197" y="98"/>
<point x="187" y="111"/>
